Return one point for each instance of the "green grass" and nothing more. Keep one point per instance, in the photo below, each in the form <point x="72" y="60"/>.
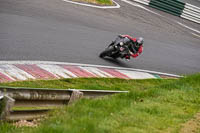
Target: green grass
<point x="154" y="105"/>
<point x="91" y="83"/>
<point x="105" y="2"/>
<point x="97" y="2"/>
<point x="32" y="108"/>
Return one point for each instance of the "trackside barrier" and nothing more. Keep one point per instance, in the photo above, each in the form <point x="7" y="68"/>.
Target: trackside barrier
<point x="6" y="103"/>
<point x="1" y="106"/>
<point x="30" y="103"/>
<point x="175" y="7"/>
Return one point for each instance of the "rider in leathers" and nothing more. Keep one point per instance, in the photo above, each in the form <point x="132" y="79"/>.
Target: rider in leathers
<point x="135" y="45"/>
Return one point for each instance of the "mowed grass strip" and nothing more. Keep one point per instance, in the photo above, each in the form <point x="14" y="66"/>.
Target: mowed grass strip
<point x="97" y="2"/>
<point x="154" y="105"/>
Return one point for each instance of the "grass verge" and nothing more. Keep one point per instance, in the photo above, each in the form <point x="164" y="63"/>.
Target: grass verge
<point x="97" y="2"/>
<point x="154" y="105"/>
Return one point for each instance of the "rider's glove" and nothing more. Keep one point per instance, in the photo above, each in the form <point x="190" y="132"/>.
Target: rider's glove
<point x="127" y="57"/>
<point x="134" y="55"/>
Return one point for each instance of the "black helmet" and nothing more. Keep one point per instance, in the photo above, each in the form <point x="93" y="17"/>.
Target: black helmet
<point x="139" y="41"/>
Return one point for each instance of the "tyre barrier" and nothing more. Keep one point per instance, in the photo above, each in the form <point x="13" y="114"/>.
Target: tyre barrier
<point x="175" y="7"/>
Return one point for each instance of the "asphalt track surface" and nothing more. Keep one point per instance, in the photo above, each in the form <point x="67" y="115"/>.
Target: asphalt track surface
<point x="193" y="2"/>
<point x="53" y="30"/>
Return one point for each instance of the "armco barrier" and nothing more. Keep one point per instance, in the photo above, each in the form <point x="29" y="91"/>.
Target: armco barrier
<point x="30" y="103"/>
<point x="175" y="7"/>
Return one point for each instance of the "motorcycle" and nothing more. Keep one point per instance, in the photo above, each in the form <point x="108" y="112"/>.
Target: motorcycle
<point x="116" y="50"/>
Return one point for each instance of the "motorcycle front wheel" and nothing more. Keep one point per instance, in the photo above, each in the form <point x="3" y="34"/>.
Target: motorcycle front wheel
<point x="106" y="52"/>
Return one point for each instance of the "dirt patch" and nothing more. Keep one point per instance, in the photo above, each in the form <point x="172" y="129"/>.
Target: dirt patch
<point x="192" y="126"/>
<point x="25" y="123"/>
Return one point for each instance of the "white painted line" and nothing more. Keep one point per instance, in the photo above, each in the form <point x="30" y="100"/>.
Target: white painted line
<point x="15" y="73"/>
<point x="137" y="75"/>
<point x="57" y="71"/>
<point x="191" y="9"/>
<point x="191" y="12"/>
<point x="97" y="72"/>
<point x="188" y="27"/>
<point x="140" y="6"/>
<point x="192" y="6"/>
<point x="190" y="17"/>
<point x="89" y="5"/>
<point x="145" y="2"/>
<point x="195" y="35"/>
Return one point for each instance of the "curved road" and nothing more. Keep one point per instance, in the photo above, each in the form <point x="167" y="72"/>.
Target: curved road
<point x="193" y="2"/>
<point x="53" y="30"/>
